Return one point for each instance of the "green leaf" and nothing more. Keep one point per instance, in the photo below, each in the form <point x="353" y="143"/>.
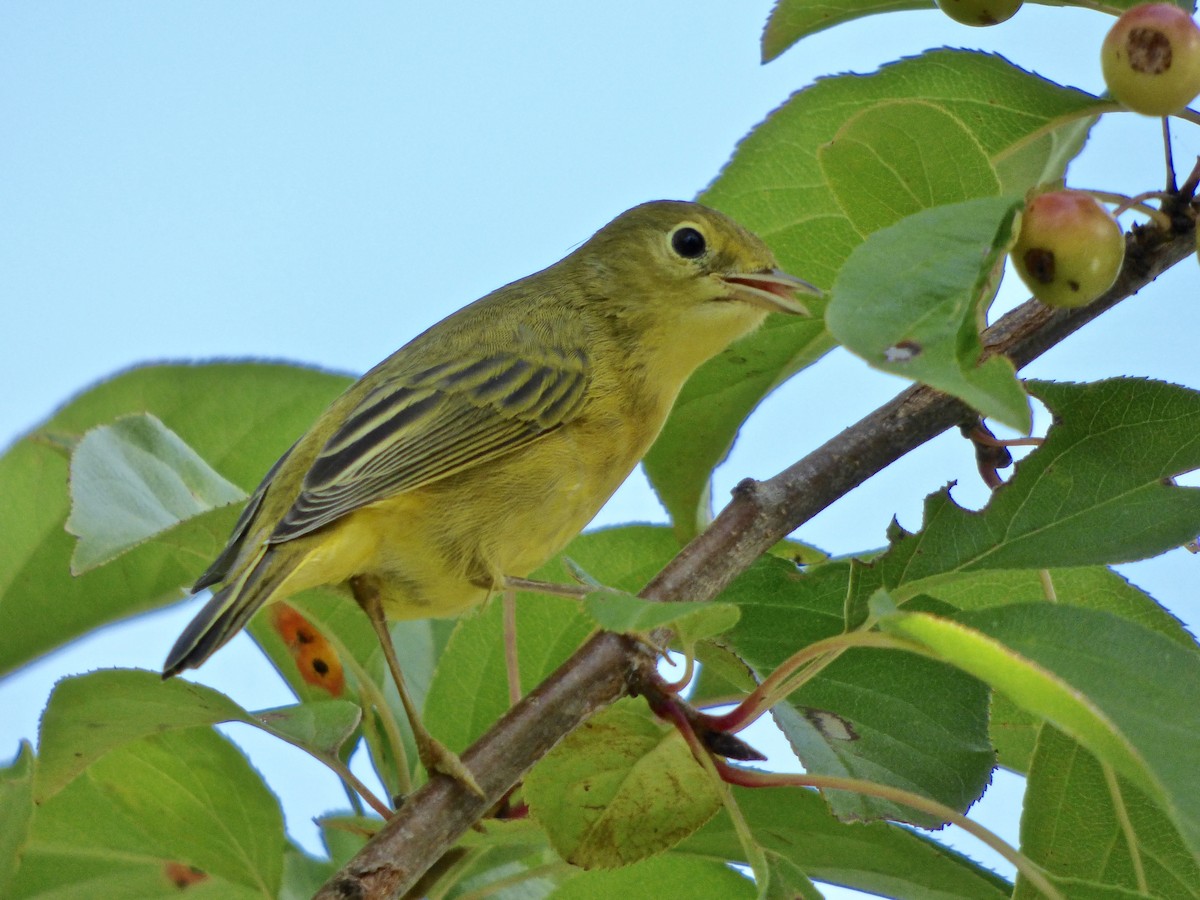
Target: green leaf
<point x="1044" y="158"/>
<point x="133" y="480"/>
<point x="614" y="611"/>
<point x="239" y="417"/>
<point x="909" y="300"/>
<point x="1096" y="587"/>
<point x="1086" y="890"/>
<point x="799" y="553"/>
<point x="777" y="184"/>
<point x="899" y="157"/>
<point x="16" y="799"/>
<point x="785" y="881"/>
<point x="323" y="725"/>
<point x="1014" y="731"/>
<point x="335" y="615"/>
<point x="794" y="824"/>
<point x="1089" y="674"/>
<point x="793" y="19"/>
<point x="1095" y="492"/>
<point x="182" y="802"/>
<point x="647" y="880"/>
<point x="925" y="732"/>
<point x="620" y="788"/>
<point x="89" y="716"/>
<point x="784" y="608"/>
<point x="303" y="875"/>
<point x="624" y="557"/>
<point x="419" y="644"/>
<point x="509" y="859"/>
<point x="469" y="691"/>
<point x="345" y="835"/>
<point x="1072" y="829"/>
<point x="723" y="674"/>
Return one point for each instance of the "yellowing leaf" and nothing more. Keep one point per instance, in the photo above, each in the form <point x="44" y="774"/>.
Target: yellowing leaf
<point x="620" y="788"/>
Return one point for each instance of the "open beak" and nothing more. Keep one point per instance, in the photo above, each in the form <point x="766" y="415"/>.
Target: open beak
<point x="773" y="290"/>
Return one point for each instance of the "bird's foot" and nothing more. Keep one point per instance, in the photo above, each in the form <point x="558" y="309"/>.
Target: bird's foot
<point x="437" y="758"/>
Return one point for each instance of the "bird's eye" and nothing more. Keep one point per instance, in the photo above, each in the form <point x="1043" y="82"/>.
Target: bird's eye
<point x="688" y="242"/>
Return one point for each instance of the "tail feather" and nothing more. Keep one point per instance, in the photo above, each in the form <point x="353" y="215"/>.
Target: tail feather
<point x="223" y="616"/>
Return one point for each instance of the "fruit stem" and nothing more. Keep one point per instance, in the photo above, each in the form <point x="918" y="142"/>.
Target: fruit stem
<point x="797" y="670"/>
<point x="1160" y="218"/>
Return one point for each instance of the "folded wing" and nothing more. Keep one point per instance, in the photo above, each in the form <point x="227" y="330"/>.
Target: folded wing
<point x="417" y="429"/>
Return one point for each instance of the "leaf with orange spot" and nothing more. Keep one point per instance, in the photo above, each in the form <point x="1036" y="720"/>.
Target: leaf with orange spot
<point x="319" y="666"/>
<point x="182" y="875"/>
<point x="316" y="659"/>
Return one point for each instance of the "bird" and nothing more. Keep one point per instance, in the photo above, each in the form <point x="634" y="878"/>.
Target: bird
<point x="478" y="450"/>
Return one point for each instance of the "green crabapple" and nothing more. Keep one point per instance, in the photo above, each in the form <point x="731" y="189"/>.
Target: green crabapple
<point x="1151" y="59"/>
<point x="979" y="12"/>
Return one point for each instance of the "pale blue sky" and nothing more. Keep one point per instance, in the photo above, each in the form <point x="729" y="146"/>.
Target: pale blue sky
<point x="320" y="182"/>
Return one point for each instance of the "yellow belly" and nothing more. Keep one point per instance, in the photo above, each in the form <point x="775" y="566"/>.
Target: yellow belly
<point x="442" y="549"/>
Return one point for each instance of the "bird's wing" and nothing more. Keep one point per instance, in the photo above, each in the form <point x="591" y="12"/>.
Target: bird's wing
<point x="418" y="428"/>
<point x="223" y="563"/>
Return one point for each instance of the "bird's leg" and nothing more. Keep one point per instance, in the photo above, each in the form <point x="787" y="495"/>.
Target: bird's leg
<point x="511" y="586"/>
<point x="511" y="663"/>
<point x="570" y="591"/>
<point x="435" y="757"/>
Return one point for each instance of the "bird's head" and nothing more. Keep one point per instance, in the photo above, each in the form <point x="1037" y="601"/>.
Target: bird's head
<point x="691" y="278"/>
<point x="682" y="254"/>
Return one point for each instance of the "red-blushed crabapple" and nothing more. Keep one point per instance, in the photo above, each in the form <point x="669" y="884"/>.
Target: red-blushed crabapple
<point x="1069" y="249"/>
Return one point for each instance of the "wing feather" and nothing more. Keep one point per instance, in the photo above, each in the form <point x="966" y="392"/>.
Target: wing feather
<point x="223" y="563"/>
<point x="414" y="430"/>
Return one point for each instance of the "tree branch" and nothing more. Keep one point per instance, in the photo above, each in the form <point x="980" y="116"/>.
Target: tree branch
<point x="761" y="513"/>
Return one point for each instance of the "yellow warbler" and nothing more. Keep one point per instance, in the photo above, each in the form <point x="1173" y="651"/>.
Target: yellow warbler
<point x="479" y="449"/>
